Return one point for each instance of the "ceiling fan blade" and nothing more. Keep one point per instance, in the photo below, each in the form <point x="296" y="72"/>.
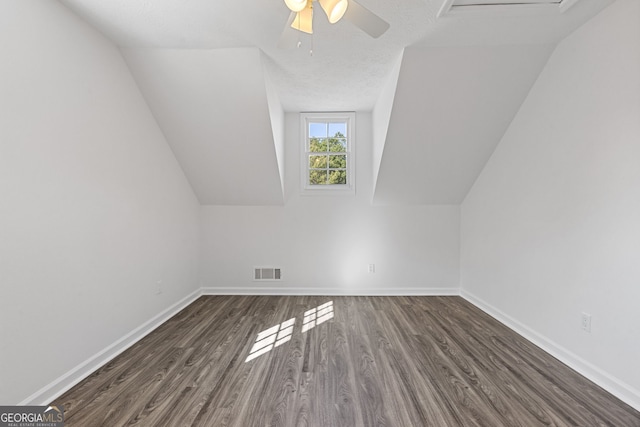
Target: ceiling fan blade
<point x="289" y="37"/>
<point x="366" y="20"/>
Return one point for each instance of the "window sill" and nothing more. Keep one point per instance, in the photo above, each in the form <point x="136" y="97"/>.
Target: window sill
<point x="326" y="190"/>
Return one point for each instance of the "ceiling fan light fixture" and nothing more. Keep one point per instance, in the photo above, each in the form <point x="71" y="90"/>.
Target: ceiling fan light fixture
<point x="296" y="5"/>
<point x="304" y="19"/>
<point x="334" y="9"/>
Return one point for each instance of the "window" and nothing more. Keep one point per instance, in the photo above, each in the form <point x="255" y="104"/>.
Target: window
<point x="328" y="152"/>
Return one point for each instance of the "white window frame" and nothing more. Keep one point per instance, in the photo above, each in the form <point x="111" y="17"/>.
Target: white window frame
<point x="333" y="189"/>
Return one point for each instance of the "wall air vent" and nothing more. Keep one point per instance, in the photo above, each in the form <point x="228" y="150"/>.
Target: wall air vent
<point x="506" y="6"/>
<point x="267" y="273"/>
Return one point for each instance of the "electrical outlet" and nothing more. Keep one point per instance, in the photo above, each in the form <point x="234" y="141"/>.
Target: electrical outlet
<point x="158" y="287"/>
<point x="372" y="268"/>
<point x="586" y="322"/>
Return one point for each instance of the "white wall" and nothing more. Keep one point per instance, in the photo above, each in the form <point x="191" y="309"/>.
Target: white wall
<point x="94" y="208"/>
<point x="551" y="227"/>
<point x="325" y="243"/>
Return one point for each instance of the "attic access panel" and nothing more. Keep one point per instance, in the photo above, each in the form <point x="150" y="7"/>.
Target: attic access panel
<point x="505" y="6"/>
<point x="501" y="2"/>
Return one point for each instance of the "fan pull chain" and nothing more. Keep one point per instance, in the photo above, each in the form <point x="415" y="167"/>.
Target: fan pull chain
<point x="311" y="49"/>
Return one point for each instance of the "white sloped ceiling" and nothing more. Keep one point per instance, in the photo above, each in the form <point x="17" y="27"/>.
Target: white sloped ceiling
<point x="442" y="89"/>
<point x="216" y="113"/>
<point x="451" y="107"/>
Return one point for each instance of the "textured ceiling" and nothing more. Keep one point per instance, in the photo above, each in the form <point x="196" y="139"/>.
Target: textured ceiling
<point x="344" y="72"/>
<point x="347" y="67"/>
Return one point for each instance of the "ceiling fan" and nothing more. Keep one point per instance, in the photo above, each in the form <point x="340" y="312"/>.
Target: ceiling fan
<point x="301" y="18"/>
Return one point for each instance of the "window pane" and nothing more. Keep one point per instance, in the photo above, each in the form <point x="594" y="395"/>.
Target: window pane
<point x="337" y="177"/>
<point x="338" y="145"/>
<point x="317" y="162"/>
<point x="338" y="161"/>
<point x="338" y="129"/>
<point x="318" y="130"/>
<point x="318" y="177"/>
<point x="327" y="150"/>
<point x="317" y="145"/>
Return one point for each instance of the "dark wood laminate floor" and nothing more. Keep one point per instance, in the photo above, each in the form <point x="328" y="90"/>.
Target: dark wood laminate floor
<point x="379" y="361"/>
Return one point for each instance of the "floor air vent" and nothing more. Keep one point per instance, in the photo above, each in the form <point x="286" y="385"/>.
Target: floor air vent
<point x="267" y="273"/>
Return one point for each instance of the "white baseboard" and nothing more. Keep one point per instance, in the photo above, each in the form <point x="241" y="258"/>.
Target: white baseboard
<point x="51" y="391"/>
<point x="60" y="385"/>
<point x="613" y="385"/>
<point x="56" y="388"/>
<point x="269" y="290"/>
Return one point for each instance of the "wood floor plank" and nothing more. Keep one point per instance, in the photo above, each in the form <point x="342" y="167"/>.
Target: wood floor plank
<point x="405" y="389"/>
<point x="341" y="407"/>
<point x="552" y="377"/>
<point x="378" y="361"/>
<point x="484" y="378"/>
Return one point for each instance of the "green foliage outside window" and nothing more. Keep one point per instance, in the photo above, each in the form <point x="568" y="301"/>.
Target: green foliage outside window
<point x="326" y="166"/>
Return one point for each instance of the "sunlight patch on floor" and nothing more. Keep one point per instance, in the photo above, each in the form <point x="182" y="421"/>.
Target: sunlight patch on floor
<point x="280" y="334"/>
